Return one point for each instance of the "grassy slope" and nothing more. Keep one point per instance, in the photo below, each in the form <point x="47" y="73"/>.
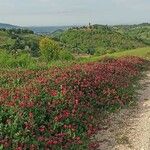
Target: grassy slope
<point x="36" y="64"/>
<point x="140" y="52"/>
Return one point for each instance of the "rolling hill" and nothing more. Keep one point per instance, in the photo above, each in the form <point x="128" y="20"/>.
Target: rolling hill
<point x="96" y="39"/>
<point x="7" y="26"/>
<point x="46" y="30"/>
<point x="140" y="31"/>
<point x="99" y="38"/>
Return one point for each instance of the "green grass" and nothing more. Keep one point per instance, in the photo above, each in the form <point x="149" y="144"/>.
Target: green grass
<point x="26" y="62"/>
<point x="140" y="52"/>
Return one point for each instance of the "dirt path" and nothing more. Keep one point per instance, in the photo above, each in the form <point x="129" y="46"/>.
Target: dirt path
<point x="129" y="129"/>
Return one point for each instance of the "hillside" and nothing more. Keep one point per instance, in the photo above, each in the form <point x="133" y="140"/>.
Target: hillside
<point x="140" y="31"/>
<point x="7" y="26"/>
<point x="98" y="39"/>
<point x="47" y="30"/>
<point x="19" y="40"/>
<point x="57" y="33"/>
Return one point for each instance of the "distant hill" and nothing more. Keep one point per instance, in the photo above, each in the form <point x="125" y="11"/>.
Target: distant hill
<point x="37" y="29"/>
<point x="99" y="38"/>
<point x="57" y="33"/>
<point x="7" y="26"/>
<point x="48" y="29"/>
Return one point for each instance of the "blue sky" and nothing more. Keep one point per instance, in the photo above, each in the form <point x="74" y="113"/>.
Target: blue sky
<point x="74" y="12"/>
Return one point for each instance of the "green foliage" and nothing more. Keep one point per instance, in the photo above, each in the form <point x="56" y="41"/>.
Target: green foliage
<point x="90" y="51"/>
<point x="19" y="31"/>
<point x="100" y="51"/>
<point x="49" y="49"/>
<point x="97" y="37"/>
<point x="140" y="52"/>
<point x="19" y="44"/>
<point x="15" y="40"/>
<point x="141" y="32"/>
<point x="55" y="108"/>
<point x="22" y="60"/>
<point x="34" y="48"/>
<point x="94" y="40"/>
<point x="66" y="55"/>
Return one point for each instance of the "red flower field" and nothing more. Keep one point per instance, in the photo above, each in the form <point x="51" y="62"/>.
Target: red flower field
<point x="54" y="109"/>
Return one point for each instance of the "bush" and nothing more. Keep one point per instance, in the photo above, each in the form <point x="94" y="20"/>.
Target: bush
<point x="90" y="51"/>
<point x="100" y="51"/>
<point x="49" y="49"/>
<point x="13" y="61"/>
<point x="54" y="109"/>
<point x="24" y="60"/>
<point x="65" y="55"/>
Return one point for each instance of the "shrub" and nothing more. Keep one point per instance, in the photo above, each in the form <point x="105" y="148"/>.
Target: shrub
<point x="90" y="51"/>
<point x="100" y="51"/>
<point x="24" y="60"/>
<point x="54" y="109"/>
<point x="13" y="61"/>
<point x="49" y="49"/>
<point x="3" y="57"/>
<point x="65" y="55"/>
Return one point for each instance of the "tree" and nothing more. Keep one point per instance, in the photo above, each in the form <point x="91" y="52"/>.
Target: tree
<point x="19" y="44"/>
<point x="90" y="51"/>
<point x="49" y="49"/>
<point x="34" y="49"/>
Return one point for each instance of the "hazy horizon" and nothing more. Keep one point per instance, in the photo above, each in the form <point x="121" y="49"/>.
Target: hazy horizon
<point x="69" y="12"/>
<point x="70" y="24"/>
